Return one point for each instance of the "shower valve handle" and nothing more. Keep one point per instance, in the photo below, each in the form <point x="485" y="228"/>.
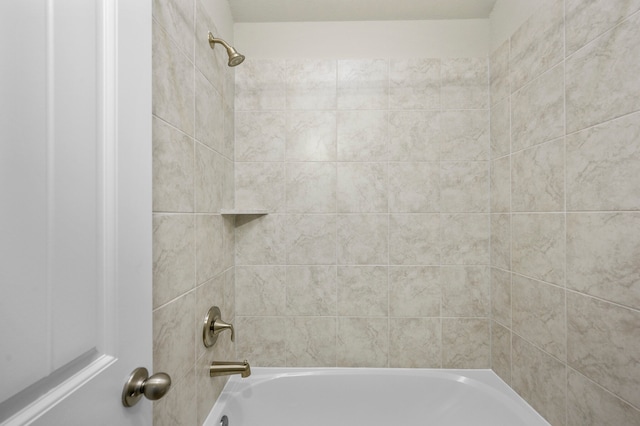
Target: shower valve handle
<point x="219" y="326"/>
<point x="213" y="325"/>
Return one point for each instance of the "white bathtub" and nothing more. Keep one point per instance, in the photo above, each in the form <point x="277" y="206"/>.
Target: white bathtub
<point x="370" y="397"/>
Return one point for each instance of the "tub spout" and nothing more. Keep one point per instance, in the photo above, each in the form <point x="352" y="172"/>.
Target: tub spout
<point x="225" y="368"/>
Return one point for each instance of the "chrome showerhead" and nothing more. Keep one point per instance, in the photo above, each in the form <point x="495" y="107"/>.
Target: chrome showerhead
<point x="235" y="58"/>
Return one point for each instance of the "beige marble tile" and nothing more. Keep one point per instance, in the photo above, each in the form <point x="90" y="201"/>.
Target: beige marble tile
<point x="311" y="187"/>
<point x="414" y="83"/>
<point x="310" y="239"/>
<point x="538" y="246"/>
<point x="602" y="256"/>
<point x="414" y="136"/>
<point x="540" y="380"/>
<point x="500" y="128"/>
<point x="538" y="44"/>
<point x="173" y="159"/>
<point x="228" y="145"/>
<point x="209" y="180"/>
<point x="228" y="184"/>
<point x="209" y="247"/>
<point x="362" y="188"/>
<point x="178" y="407"/>
<point x="501" y="296"/>
<point x="603" y="164"/>
<point x="501" y="241"/>
<point x="590" y="405"/>
<point x="311" y="84"/>
<point x="260" y="186"/>
<point x="311" y="342"/>
<point x="539" y="315"/>
<point x="208" y="294"/>
<point x="363" y="291"/>
<point x="465" y="343"/>
<point x="363" y="239"/>
<point x="466" y="291"/>
<point x="414" y="187"/>
<point x="229" y="295"/>
<point x="229" y="87"/>
<point x="177" y="19"/>
<point x="465" y="135"/>
<point x="537" y="110"/>
<point x="537" y="178"/>
<point x="499" y="73"/>
<point x="414" y="291"/>
<point x="501" y="351"/>
<point x="363" y="84"/>
<point x="212" y="63"/>
<point x="500" y="185"/>
<point x="415" y="343"/>
<point x="603" y="343"/>
<point x="260" y="290"/>
<point x="208" y="389"/>
<point x="464" y="186"/>
<point x="174" y="336"/>
<point x="311" y="136"/>
<point x="362" y="135"/>
<point x="260" y="85"/>
<point x="228" y="241"/>
<point x="586" y="20"/>
<point x="173" y="82"/>
<point x="464" y="239"/>
<point x="464" y="83"/>
<point x="413" y="239"/>
<point x="260" y="240"/>
<point x="593" y="99"/>
<point x="209" y="121"/>
<point x="261" y="340"/>
<point x="311" y="290"/>
<point x="260" y="135"/>
<point x="362" y="342"/>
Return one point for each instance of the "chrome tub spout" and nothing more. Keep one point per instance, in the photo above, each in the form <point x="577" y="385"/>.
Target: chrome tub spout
<point x="226" y="368"/>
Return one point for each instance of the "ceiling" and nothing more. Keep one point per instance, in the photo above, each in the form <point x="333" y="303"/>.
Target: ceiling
<point x="357" y="10"/>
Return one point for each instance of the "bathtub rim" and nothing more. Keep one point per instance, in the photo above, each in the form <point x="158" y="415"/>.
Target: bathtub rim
<point x="476" y="377"/>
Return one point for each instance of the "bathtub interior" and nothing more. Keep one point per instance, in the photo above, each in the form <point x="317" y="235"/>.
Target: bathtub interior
<point x="372" y="397"/>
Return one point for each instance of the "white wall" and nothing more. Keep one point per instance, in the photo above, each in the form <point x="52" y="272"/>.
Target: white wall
<point x="379" y="39"/>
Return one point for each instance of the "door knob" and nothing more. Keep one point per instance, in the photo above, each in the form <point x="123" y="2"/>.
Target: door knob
<point x="139" y="383"/>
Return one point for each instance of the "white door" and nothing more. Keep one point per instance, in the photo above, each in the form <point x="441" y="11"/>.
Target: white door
<point x="75" y="209"/>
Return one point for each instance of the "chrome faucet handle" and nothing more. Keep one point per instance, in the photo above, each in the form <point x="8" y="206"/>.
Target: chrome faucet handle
<point x="213" y="325"/>
<point x="219" y="326"/>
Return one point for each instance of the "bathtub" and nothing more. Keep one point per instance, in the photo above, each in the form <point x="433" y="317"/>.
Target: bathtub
<point x="370" y="397"/>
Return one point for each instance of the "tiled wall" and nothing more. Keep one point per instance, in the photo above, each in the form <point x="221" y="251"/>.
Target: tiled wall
<point x="565" y="195"/>
<point x="193" y="95"/>
<point x="376" y="249"/>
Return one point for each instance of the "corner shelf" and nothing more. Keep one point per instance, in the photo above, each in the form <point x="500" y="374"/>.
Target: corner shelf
<point x="233" y="212"/>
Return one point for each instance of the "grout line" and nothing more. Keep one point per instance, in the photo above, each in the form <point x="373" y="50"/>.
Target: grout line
<point x="611" y="28"/>
<point x="509" y="105"/>
<point x="564" y="143"/>
<point x="599" y="386"/>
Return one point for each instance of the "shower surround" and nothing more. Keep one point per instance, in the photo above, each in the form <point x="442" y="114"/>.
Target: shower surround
<point x="405" y="228"/>
<point x="193" y="254"/>
<point x="375" y="252"/>
<point x="565" y="227"/>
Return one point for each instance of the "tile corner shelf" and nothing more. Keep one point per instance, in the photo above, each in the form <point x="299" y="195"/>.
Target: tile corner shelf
<point x="233" y="212"/>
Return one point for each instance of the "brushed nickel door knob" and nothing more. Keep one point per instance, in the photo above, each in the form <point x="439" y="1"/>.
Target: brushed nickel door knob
<point x="139" y="384"/>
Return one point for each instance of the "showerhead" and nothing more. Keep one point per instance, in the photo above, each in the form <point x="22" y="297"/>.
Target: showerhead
<point x="235" y="58"/>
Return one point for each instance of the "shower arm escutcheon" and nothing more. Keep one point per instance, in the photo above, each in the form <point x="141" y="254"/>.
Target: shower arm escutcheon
<point x="213" y="325"/>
